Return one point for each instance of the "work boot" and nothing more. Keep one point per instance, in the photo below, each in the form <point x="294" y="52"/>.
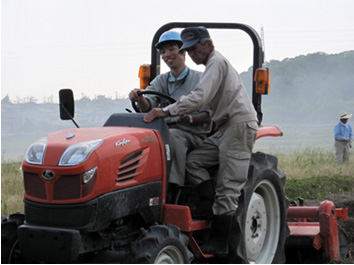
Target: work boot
<point x="217" y="244"/>
<point x="206" y="195"/>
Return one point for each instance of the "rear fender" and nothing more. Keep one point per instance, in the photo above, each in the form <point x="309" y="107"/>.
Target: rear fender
<point x="268" y="130"/>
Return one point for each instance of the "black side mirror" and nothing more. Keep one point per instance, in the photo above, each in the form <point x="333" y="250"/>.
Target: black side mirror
<point x="67" y="105"/>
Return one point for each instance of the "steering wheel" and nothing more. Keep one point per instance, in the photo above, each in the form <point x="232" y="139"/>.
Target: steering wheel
<point x="135" y="107"/>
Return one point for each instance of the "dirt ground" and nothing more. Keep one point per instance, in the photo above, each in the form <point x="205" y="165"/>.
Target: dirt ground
<point x="343" y="200"/>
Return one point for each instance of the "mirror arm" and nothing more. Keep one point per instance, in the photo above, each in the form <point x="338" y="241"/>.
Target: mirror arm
<point x="67" y="112"/>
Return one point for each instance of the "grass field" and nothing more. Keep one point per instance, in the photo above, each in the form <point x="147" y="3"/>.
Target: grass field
<point x="11" y="188"/>
<point x="311" y="174"/>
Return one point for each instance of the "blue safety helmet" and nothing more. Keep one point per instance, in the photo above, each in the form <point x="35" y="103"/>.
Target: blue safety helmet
<point x="169" y="36"/>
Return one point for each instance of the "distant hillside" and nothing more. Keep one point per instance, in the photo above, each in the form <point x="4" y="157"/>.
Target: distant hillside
<point x="308" y="89"/>
<point x="22" y="124"/>
<point x="33" y="117"/>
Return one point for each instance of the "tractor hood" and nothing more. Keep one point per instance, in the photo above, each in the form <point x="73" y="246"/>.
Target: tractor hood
<point x="80" y="164"/>
<point x="60" y="141"/>
<point x="105" y="137"/>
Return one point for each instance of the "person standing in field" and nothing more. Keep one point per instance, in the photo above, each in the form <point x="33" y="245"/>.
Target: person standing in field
<point x="343" y="136"/>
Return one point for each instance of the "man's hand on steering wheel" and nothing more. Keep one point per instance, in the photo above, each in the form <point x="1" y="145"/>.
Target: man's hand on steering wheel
<point x="134" y="96"/>
<point x="138" y="93"/>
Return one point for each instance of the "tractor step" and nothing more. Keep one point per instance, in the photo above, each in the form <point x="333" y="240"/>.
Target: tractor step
<point x="180" y="216"/>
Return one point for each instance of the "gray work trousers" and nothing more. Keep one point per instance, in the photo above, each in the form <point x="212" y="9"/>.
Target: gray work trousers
<point x="231" y="148"/>
<point x="342" y="151"/>
<point x="184" y="142"/>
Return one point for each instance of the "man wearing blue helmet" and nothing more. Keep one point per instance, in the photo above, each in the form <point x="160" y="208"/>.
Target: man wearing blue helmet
<point x="192" y="128"/>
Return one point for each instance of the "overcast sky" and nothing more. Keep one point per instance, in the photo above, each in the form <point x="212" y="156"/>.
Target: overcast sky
<point x="95" y="47"/>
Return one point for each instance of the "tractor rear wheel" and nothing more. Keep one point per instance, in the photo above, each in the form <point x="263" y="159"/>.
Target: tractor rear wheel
<point x="10" y="252"/>
<point x="260" y="224"/>
<point x="161" y="244"/>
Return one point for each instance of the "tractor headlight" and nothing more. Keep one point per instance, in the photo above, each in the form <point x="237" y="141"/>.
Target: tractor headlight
<point x="35" y="152"/>
<point x="88" y="175"/>
<point x="78" y="153"/>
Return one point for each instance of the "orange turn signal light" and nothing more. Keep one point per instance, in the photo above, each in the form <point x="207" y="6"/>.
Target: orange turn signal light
<point x="144" y="75"/>
<point x="262" y="81"/>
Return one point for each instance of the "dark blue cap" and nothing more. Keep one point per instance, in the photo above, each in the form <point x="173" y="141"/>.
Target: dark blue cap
<point x="192" y="35"/>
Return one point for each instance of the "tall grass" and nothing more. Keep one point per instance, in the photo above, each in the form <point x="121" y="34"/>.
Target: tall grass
<point x="313" y="162"/>
<point x="315" y="174"/>
<point x="311" y="174"/>
<point x="11" y="188"/>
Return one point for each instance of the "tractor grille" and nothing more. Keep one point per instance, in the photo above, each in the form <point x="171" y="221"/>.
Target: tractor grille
<point x="129" y="167"/>
<point x="34" y="186"/>
<point x="67" y="187"/>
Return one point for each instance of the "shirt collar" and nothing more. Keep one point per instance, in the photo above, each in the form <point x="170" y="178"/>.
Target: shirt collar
<point x="171" y="78"/>
<point x="210" y="55"/>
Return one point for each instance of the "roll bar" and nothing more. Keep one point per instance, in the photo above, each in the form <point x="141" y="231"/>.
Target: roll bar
<point x="258" y="53"/>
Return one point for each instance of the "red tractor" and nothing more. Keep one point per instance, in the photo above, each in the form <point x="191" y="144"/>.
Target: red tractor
<point x="98" y="195"/>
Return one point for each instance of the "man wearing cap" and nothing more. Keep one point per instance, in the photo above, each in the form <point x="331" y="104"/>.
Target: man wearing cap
<point x="343" y="135"/>
<point x="193" y="127"/>
<point x="221" y="89"/>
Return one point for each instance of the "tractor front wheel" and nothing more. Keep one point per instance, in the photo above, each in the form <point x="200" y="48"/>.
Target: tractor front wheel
<point x="161" y="244"/>
<point x="10" y="252"/>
